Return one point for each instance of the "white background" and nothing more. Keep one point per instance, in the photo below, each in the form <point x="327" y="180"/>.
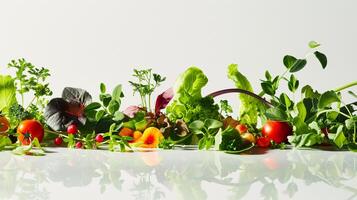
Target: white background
<point x="85" y="42"/>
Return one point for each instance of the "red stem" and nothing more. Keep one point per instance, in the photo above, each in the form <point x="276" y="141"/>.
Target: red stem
<point x="236" y="90"/>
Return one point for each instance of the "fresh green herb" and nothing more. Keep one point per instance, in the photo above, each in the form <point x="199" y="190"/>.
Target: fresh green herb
<point x="225" y="108"/>
<point x="206" y="131"/>
<point x="102" y="114"/>
<point x="147" y="82"/>
<point x="31" y="78"/>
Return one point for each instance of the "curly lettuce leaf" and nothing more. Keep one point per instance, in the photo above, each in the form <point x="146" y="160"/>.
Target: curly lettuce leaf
<point x="7" y="93"/>
<point x="189" y="85"/>
<point x="188" y="104"/>
<point x="250" y="107"/>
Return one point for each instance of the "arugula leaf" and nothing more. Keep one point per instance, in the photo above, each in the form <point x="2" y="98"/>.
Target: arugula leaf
<point x="4" y="141"/>
<point x="327" y="98"/>
<point x="7" y="93"/>
<point x="250" y="107"/>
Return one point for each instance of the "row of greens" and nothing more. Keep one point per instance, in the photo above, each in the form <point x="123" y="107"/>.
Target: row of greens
<point x="181" y="115"/>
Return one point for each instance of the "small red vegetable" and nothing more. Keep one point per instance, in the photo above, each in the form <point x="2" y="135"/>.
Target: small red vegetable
<point x="58" y="141"/>
<point x="277" y="131"/>
<point x="79" y="145"/>
<point x="72" y="129"/>
<point x="28" y="130"/>
<point x="263" y="142"/>
<point x="99" y="138"/>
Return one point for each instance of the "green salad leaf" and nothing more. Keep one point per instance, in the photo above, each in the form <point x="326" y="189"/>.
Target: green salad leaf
<point x="250" y="107"/>
<point x="188" y="103"/>
<point x="7" y="92"/>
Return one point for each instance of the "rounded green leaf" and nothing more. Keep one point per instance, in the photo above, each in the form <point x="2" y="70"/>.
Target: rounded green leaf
<point x="289" y="61"/>
<point x="298" y="65"/>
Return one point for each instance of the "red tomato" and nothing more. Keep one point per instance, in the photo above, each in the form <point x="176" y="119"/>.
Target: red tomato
<point x="29" y="129"/>
<point x="4" y="124"/>
<point x="277" y="131"/>
<point x="263" y="142"/>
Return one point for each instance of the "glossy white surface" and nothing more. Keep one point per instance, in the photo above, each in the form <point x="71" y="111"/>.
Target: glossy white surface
<point x="177" y="174"/>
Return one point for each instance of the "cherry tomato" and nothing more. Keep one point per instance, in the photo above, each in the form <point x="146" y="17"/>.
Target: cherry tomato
<point x="241" y="128"/>
<point x="99" y="138"/>
<point x="4" y="124"/>
<point x="72" y="129"/>
<point x="29" y="129"/>
<point x="58" y="141"/>
<point x="263" y="142"/>
<point x="79" y="145"/>
<point x="277" y="131"/>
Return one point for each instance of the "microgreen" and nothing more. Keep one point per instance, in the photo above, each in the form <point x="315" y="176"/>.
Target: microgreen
<point x="145" y="85"/>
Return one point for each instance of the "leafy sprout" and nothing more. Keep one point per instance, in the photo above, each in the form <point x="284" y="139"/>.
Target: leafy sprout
<point x="146" y="83"/>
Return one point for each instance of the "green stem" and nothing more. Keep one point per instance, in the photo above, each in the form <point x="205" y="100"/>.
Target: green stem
<point x="331" y="110"/>
<point x="345" y="86"/>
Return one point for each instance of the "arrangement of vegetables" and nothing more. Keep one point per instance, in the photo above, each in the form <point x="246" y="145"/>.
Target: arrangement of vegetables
<point x="181" y="115"/>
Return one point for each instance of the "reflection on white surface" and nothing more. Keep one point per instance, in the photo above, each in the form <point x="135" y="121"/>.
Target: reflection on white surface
<point x="287" y="174"/>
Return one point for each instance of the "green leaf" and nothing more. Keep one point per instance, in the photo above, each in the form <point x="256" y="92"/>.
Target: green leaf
<point x="4" y="141"/>
<point x="285" y="100"/>
<point x="268" y="87"/>
<point x="102" y="88"/>
<point x="202" y="143"/>
<point x="267" y="75"/>
<point x="293" y="83"/>
<point x="327" y="98"/>
<point x="340" y="138"/>
<point x="322" y="58"/>
<point x="249" y="106"/>
<point x="301" y="111"/>
<point x="305" y="140"/>
<point x="289" y="61"/>
<point x="213" y="124"/>
<point x="118" y="116"/>
<point x="92" y="106"/>
<point x="313" y="44"/>
<point x="276" y="114"/>
<point x="141" y="125"/>
<point x="99" y="115"/>
<point x="189" y="85"/>
<point x="350" y="123"/>
<point x="7" y="92"/>
<point x="113" y="106"/>
<point x="197" y="125"/>
<point x="298" y="65"/>
<point x="117" y="93"/>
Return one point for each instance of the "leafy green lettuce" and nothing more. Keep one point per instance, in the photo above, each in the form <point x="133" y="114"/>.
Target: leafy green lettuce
<point x="188" y="103"/>
<point x="7" y="92"/>
<point x="250" y="107"/>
